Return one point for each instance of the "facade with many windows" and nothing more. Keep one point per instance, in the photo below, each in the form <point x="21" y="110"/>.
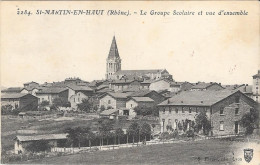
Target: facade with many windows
<point x="224" y="109"/>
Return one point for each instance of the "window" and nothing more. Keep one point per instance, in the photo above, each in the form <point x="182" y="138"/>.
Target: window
<point x="109" y="102"/>
<point x="236" y="111"/>
<point x="131" y="105"/>
<point x="221" y="112"/>
<point x="237" y="99"/>
<point x="74" y="100"/>
<point x="221" y="126"/>
<point x="163" y="110"/>
<point x="189" y="109"/>
<point x="170" y="110"/>
<point x="176" y="110"/>
<point x="182" y="109"/>
<point x="196" y="109"/>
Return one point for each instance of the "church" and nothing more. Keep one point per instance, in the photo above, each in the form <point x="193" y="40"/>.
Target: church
<point x="114" y="71"/>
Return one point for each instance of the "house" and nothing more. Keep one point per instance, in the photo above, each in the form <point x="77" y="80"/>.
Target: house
<point x="74" y="89"/>
<point x="255" y="89"/>
<point x="201" y="86"/>
<point x="160" y="84"/>
<point x="55" y="140"/>
<point x="134" y="102"/>
<point x="110" y="114"/>
<point x="125" y="84"/>
<point x="113" y="100"/>
<point x="158" y="98"/>
<point x="50" y="93"/>
<point x="31" y="84"/>
<point x="113" y="68"/>
<point x="224" y="110"/>
<point x="23" y="101"/>
<point x="77" y="99"/>
<point x="180" y="86"/>
<point x="13" y="90"/>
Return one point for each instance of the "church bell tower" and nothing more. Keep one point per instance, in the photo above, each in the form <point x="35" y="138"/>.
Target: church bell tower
<point x="113" y="61"/>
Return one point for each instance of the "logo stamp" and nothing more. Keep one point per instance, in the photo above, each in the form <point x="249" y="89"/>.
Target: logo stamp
<point x="248" y="154"/>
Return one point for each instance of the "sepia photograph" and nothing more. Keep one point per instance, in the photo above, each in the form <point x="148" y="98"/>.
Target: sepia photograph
<point x="120" y="82"/>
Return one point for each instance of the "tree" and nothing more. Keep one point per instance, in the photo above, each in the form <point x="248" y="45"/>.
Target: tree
<point x="250" y="121"/>
<point x="145" y="130"/>
<point x="60" y="102"/>
<point x="133" y="129"/>
<point x="38" y="146"/>
<point x="102" y="108"/>
<point x="78" y="135"/>
<point x="86" y="105"/>
<point x="202" y="122"/>
<point x="44" y="103"/>
<point x="119" y="134"/>
<point x="105" y="128"/>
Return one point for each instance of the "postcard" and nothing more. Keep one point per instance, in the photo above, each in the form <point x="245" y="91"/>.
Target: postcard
<point x="130" y="82"/>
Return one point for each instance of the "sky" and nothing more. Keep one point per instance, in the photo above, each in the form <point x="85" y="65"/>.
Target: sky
<point x="205" y="48"/>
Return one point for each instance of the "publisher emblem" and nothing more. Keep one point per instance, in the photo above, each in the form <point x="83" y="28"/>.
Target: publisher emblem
<point x="248" y="154"/>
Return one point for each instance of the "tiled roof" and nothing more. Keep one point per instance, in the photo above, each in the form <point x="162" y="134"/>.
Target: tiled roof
<point x="32" y="82"/>
<point x="13" y="89"/>
<point x="201" y="98"/>
<point x="142" y="99"/>
<point x="42" y="137"/>
<point x="137" y="72"/>
<point x="108" y="112"/>
<point x="113" y="52"/>
<point x="79" y="88"/>
<point x="51" y="90"/>
<point x="13" y="95"/>
<point x="203" y="85"/>
<point x="176" y="83"/>
<point x="140" y="93"/>
<point x="245" y="89"/>
<point x="118" y="95"/>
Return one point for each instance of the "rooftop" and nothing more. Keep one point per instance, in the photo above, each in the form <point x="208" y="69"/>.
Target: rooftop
<point x="13" y="95"/>
<point x="41" y="137"/>
<point x="202" y="98"/>
<point x="51" y="90"/>
<point x="79" y="88"/>
<point x="138" y="72"/>
<point x="13" y="89"/>
<point x="142" y="99"/>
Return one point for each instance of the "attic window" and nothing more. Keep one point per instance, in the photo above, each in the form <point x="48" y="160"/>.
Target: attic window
<point x="201" y="101"/>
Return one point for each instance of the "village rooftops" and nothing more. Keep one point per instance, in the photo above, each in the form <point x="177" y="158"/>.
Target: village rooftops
<point x="13" y="90"/>
<point x="32" y="82"/>
<point x="118" y="95"/>
<point x="197" y="98"/>
<point x="203" y="85"/>
<point x="14" y="95"/>
<point x="142" y="99"/>
<point x="51" y="90"/>
<point x="41" y="137"/>
<point x="141" y="93"/>
<point x="79" y="88"/>
<point x="138" y="72"/>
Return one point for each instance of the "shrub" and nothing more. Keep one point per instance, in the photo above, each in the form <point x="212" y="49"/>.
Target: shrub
<point x="190" y="133"/>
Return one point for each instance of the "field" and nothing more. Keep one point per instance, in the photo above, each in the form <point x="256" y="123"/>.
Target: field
<point x="9" y="128"/>
<point x="198" y="152"/>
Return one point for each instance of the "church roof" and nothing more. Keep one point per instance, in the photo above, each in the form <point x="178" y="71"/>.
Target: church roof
<point x="138" y="72"/>
<point x="113" y="52"/>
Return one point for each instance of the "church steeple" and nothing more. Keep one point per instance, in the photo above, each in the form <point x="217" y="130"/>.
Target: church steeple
<point x="113" y="53"/>
<point x="113" y="60"/>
